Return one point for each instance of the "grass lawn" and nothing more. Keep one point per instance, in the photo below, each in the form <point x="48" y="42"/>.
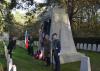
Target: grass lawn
<point x="24" y="62"/>
<point x="2" y="56"/>
<point x="94" y="58"/>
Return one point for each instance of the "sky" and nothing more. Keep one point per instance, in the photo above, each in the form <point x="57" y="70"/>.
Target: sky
<point x="40" y="1"/>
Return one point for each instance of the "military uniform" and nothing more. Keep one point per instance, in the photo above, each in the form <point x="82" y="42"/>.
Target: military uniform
<point x="30" y="49"/>
<point x="47" y="51"/>
<point x="56" y="49"/>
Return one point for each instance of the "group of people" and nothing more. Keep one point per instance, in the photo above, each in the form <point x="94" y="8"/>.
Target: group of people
<point x="51" y="49"/>
<point x="50" y="46"/>
<point x="12" y="44"/>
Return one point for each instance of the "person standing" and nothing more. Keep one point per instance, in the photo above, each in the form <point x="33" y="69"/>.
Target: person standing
<point x="31" y="51"/>
<point x="14" y="42"/>
<point x="11" y="45"/>
<point x="47" y="46"/>
<point x="56" y="48"/>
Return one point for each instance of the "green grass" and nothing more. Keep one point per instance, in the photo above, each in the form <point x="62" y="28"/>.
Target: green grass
<point x="94" y="59"/>
<point x="24" y="62"/>
<point x="74" y="66"/>
<point x="2" y="56"/>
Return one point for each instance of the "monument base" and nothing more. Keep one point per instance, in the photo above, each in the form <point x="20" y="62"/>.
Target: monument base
<point x="72" y="57"/>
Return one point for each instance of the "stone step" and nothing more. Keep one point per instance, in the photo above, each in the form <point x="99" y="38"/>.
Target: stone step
<point x="72" y="57"/>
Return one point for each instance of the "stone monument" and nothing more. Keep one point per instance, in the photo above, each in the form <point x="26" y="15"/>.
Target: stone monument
<point x="60" y="24"/>
<point x="85" y="64"/>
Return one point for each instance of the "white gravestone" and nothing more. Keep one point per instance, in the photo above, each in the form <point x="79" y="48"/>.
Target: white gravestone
<point x="14" y="68"/>
<point x="85" y="46"/>
<point x="98" y="48"/>
<point x="10" y="65"/>
<point x="85" y="64"/>
<point x="60" y="24"/>
<point x="8" y="60"/>
<point x="6" y="51"/>
<point x="81" y="46"/>
<point x="77" y="46"/>
<point x="8" y="57"/>
<point x="94" y="47"/>
<point x="21" y="43"/>
<point x="89" y="47"/>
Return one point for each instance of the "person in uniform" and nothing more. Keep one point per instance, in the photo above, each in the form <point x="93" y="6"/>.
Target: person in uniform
<point x="56" y="47"/>
<point x="47" y="47"/>
<point x="30" y="49"/>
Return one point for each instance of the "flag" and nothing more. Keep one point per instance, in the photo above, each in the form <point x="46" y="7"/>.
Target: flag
<point x="26" y="40"/>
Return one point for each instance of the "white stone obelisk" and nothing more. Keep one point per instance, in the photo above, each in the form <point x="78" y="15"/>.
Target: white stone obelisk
<point x="61" y="25"/>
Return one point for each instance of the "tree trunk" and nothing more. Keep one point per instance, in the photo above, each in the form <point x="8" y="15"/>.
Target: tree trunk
<point x="70" y="10"/>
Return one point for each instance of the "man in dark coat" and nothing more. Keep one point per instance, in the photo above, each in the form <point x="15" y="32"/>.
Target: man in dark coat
<point x="56" y="47"/>
<point x="11" y="45"/>
<point x="30" y="48"/>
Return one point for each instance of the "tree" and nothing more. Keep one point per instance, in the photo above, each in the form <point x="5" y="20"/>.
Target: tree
<point x="70" y="10"/>
<point x="84" y="21"/>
